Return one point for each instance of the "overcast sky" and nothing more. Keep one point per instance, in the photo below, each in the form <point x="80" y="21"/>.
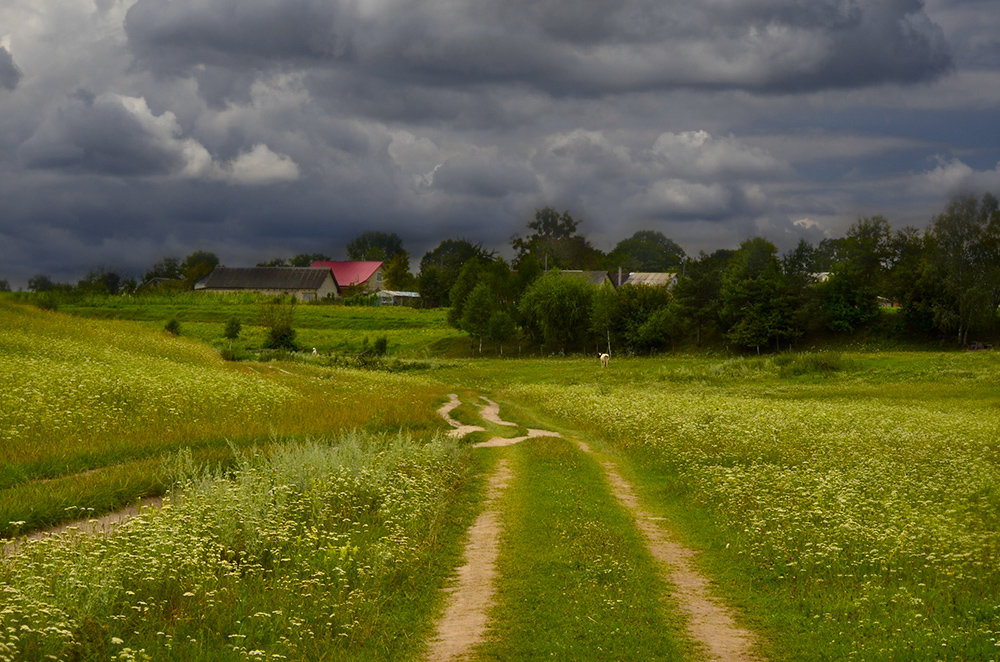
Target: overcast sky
<point x="131" y="130"/>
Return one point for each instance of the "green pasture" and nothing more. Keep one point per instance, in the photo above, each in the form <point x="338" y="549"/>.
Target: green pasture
<point x="330" y="328"/>
<point x="847" y="504"/>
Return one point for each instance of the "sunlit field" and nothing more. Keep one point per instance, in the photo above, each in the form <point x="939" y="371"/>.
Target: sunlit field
<point x="850" y="505"/>
<point x="847" y="505"/>
<point x="88" y="407"/>
<point x="327" y="327"/>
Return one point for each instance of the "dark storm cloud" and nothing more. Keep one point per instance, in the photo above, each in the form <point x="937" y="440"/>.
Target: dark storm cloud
<point x="99" y="136"/>
<point x="561" y="46"/>
<point x="10" y="75"/>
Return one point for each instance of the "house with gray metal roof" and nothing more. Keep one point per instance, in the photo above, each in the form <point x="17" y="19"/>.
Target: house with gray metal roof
<point x="305" y="283"/>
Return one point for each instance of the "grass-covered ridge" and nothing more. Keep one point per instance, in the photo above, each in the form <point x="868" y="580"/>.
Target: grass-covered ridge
<point x="97" y="402"/>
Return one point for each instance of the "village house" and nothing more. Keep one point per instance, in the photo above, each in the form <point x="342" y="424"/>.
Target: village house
<point x="364" y="277"/>
<point x="304" y="283"/>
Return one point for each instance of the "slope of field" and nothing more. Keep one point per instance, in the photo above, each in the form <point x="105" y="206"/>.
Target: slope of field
<point x="90" y="408"/>
<point x="327" y="327"/>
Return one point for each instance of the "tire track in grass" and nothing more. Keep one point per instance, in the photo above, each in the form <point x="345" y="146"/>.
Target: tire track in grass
<point x="710" y="622"/>
<point x="465" y="619"/>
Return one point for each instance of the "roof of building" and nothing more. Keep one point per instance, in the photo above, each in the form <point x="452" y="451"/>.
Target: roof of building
<point x="264" y="278"/>
<point x="651" y="278"/>
<point x="595" y="277"/>
<point x="347" y="272"/>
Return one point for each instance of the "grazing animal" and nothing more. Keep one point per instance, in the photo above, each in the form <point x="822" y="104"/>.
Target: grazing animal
<point x="604" y="360"/>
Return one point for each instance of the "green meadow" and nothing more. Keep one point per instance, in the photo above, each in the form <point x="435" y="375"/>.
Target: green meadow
<point x="846" y="505"/>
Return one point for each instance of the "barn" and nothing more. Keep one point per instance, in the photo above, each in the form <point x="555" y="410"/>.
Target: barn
<point x="304" y="283"/>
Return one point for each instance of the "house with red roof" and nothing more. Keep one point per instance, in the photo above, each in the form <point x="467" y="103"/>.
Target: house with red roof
<point x="354" y="277"/>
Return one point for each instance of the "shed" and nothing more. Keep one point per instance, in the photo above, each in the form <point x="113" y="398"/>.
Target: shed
<point x="304" y="283"/>
<point x="652" y="279"/>
<point x="397" y="298"/>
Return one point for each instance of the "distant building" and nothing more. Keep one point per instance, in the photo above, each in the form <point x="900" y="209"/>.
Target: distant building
<point x="305" y="283"/>
<point x="354" y="277"/>
<point x="651" y="279"/>
<point x="395" y="298"/>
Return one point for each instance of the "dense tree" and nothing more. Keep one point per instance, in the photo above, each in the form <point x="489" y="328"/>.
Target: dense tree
<point x="556" y="311"/>
<point x="480" y="306"/>
<point x="373" y="245"/>
<point x="850" y="297"/>
<point x="960" y="258"/>
<point x="750" y="297"/>
<point x="555" y="243"/>
<point x="4" y="285"/>
<point x="197" y="265"/>
<point x="168" y="267"/>
<point x="396" y="273"/>
<point x="618" y="315"/>
<point x="501" y="328"/>
<point x="40" y="283"/>
<point x="440" y="267"/>
<point x="696" y="292"/>
<point x="307" y="259"/>
<point x="646" y="250"/>
<point x="466" y="281"/>
<point x="99" y="281"/>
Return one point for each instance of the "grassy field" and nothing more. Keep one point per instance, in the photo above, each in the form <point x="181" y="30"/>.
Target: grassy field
<point x="847" y="504"/>
<point x="329" y="328"/>
<point x="89" y="407"/>
<point x="850" y="505"/>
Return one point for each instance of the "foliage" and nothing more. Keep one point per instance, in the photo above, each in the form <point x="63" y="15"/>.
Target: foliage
<point x="233" y="328"/>
<point x="646" y="250"/>
<point x="751" y="310"/>
<point x="173" y="327"/>
<point x="555" y="243"/>
<point x="374" y="245"/>
<point x="556" y="311"/>
<point x="397" y="274"/>
<point x="439" y="268"/>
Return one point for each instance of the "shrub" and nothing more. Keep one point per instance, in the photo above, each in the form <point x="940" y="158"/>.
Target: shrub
<point x="281" y="336"/>
<point x="173" y="327"/>
<point x="233" y="328"/>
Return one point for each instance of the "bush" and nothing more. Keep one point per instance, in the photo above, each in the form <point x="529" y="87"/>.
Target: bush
<point x="173" y="327"/>
<point x="233" y="328"/>
<point x="281" y="336"/>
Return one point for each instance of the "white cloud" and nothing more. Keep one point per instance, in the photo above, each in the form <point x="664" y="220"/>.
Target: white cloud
<point x="954" y="176"/>
<point x="261" y="166"/>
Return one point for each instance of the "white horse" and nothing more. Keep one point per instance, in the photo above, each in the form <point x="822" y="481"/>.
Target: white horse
<point x="604" y="360"/>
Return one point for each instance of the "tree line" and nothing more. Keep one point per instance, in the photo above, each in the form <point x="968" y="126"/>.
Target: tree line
<point x="942" y="283"/>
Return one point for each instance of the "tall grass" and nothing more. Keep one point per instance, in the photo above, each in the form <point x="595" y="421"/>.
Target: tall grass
<point x="315" y="550"/>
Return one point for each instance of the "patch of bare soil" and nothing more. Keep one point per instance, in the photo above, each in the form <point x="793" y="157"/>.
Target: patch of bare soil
<point x="444" y="411"/>
<point x="709" y="621"/>
<point x="463" y="624"/>
<point x="91" y="526"/>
